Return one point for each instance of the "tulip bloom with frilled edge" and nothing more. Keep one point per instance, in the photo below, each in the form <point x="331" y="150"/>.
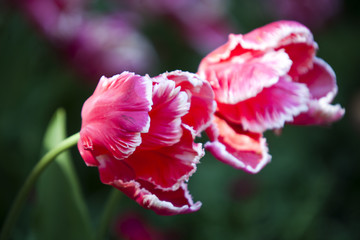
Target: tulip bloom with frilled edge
<point x="139" y="132"/>
<point x="261" y="81"/>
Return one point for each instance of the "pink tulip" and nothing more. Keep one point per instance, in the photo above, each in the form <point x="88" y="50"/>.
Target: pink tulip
<point x="139" y="132"/>
<point x="262" y="80"/>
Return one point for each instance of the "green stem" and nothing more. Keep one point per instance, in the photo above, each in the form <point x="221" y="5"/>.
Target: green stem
<point x="108" y="214"/>
<point x="29" y="183"/>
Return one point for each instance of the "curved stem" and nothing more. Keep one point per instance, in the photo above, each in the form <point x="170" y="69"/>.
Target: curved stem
<point x="108" y="213"/>
<point x="31" y="179"/>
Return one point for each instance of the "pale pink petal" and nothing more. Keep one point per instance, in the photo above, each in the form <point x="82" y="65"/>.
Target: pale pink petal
<point x="168" y="167"/>
<point x="270" y="109"/>
<point x="246" y="75"/>
<point x="293" y="37"/>
<point x="320" y="113"/>
<point x="201" y="96"/>
<point x="269" y="37"/>
<point x="115" y="115"/>
<point x="277" y="34"/>
<point x="161" y="202"/>
<point x="240" y="149"/>
<point x="321" y="81"/>
<point x="169" y="106"/>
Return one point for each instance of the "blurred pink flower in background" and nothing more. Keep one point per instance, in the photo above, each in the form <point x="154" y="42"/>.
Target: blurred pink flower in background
<point x="208" y="31"/>
<point x="58" y="20"/>
<point x="158" y="7"/>
<point x="95" y="45"/>
<point x="132" y="226"/>
<point x="140" y="131"/>
<point x="314" y="14"/>
<point x="204" y="24"/>
<point x="108" y="45"/>
<point x="262" y="80"/>
<point x="104" y="44"/>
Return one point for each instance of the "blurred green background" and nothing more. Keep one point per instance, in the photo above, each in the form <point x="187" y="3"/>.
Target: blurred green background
<point x="310" y="190"/>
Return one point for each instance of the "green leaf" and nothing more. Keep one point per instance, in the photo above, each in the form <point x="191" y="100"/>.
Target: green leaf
<point x="61" y="211"/>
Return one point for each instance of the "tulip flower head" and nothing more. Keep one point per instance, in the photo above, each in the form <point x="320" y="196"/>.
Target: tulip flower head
<point x="261" y="81"/>
<point x="139" y="132"/>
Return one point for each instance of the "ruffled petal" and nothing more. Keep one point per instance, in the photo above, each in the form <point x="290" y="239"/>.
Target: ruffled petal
<point x="168" y="167"/>
<point x="240" y="149"/>
<point x="320" y="113"/>
<point x="161" y="202"/>
<point x="246" y="75"/>
<point x="321" y="81"/>
<point x="111" y="170"/>
<point x="169" y="106"/>
<point x="115" y="115"/>
<point x="302" y="55"/>
<point x="270" y="109"/>
<point x="201" y="95"/>
<point x="121" y="176"/>
<point x="277" y="34"/>
<point x="293" y="37"/>
<point x="271" y="36"/>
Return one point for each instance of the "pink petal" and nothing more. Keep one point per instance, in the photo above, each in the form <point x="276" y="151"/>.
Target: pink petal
<point x="320" y="113"/>
<point x="270" y="109"/>
<point x="115" y="115"/>
<point x="293" y="37"/>
<point x="168" y="167"/>
<point x="161" y="202"/>
<point x="86" y="155"/>
<point x="271" y="36"/>
<point x="246" y="75"/>
<point x="240" y="149"/>
<point x="169" y="106"/>
<point x="111" y="169"/>
<point x="201" y="95"/>
<point x="301" y="55"/>
<point x="276" y="34"/>
<point x="321" y="81"/>
<point x="120" y="175"/>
